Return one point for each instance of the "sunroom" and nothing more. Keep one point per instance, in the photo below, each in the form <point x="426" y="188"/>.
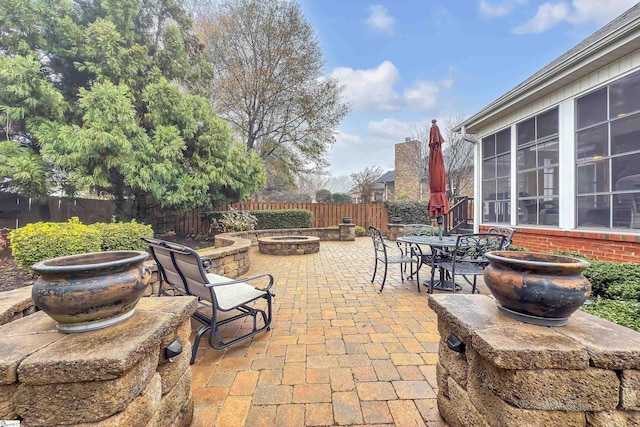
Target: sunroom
<point x="558" y="157"/>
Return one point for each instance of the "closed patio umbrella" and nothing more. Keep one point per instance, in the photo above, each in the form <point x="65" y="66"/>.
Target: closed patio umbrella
<point x="438" y="203"/>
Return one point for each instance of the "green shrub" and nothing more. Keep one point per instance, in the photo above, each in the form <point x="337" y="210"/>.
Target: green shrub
<point x="289" y="218"/>
<point x="360" y="231"/>
<point x="518" y="248"/>
<point x="410" y="212"/>
<point x="613" y="280"/>
<point x="233" y="220"/>
<point x="323" y="196"/>
<point x="341" y="198"/>
<point x="45" y="240"/>
<point x="625" y="313"/>
<point x="123" y="236"/>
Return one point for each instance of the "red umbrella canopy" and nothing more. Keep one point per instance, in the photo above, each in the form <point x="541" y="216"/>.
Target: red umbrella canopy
<point x="438" y="203"/>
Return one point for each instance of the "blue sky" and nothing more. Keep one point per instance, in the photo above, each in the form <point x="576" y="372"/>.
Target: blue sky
<point x="405" y="62"/>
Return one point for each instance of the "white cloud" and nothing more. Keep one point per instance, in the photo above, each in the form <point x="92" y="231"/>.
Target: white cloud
<point x="498" y="8"/>
<point x="390" y="129"/>
<point x="374" y="89"/>
<point x="598" y="11"/>
<point x="347" y="139"/>
<point x="551" y="14"/>
<point x="370" y="89"/>
<point x="423" y="95"/>
<point x="492" y="10"/>
<point x="548" y="16"/>
<point x="379" y="20"/>
<point x="447" y="83"/>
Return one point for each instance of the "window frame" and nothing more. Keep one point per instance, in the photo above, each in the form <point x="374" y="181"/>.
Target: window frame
<point x="607" y="204"/>
<point x="501" y="206"/>
<point x="550" y="201"/>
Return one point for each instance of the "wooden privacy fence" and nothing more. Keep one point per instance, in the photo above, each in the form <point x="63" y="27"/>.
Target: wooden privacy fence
<point x="17" y="211"/>
<point x="323" y="215"/>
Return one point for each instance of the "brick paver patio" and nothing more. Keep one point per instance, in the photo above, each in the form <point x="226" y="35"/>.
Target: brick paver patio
<point x="339" y="353"/>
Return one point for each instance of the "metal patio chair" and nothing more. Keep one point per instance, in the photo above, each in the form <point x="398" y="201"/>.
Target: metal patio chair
<point x="382" y="255"/>
<point x="420" y="230"/>
<point x="466" y="259"/>
<point x="184" y="271"/>
<point x="507" y="232"/>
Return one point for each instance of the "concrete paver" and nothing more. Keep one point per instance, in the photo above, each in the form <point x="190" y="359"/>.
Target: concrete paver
<point x="339" y="352"/>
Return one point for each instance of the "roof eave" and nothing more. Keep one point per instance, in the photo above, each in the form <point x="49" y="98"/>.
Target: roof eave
<point x="528" y="91"/>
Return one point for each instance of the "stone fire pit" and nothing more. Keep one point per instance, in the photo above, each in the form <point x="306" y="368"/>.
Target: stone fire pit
<point x="289" y="245"/>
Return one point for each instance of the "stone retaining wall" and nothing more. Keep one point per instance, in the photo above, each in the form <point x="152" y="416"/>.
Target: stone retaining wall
<point x="514" y="374"/>
<point x="115" y="376"/>
<point x="344" y="232"/>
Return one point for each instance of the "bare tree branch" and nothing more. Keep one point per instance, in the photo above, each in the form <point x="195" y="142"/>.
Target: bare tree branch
<point x="458" y="157"/>
<point x="268" y="80"/>
<point x="365" y="182"/>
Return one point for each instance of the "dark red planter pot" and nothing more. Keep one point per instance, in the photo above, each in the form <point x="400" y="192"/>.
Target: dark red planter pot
<point x="90" y="291"/>
<point x="542" y="289"/>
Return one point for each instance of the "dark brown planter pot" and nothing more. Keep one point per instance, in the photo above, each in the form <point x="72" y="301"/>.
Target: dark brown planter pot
<point x="90" y="291"/>
<point x="346" y="220"/>
<point x="542" y="289"/>
<point x="395" y="220"/>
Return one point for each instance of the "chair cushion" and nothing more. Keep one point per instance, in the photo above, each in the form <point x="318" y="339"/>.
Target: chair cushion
<point x="231" y="296"/>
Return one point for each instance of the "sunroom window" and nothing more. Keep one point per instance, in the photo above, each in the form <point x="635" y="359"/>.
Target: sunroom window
<point x="538" y="169"/>
<point x="496" y="183"/>
<point x="608" y="156"/>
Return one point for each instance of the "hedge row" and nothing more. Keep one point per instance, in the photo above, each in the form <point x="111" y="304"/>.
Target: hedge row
<point x="289" y="218"/>
<point x="266" y="219"/>
<point x="611" y="280"/>
<point x="625" y="313"/>
<point x="410" y="212"/>
<point x="45" y="240"/>
<point x="616" y="286"/>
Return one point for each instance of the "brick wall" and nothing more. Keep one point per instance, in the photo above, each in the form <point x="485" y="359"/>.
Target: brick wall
<point x="406" y="170"/>
<point x="598" y="245"/>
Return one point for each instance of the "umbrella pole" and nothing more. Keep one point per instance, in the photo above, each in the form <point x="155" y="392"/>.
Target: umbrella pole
<point x="440" y="226"/>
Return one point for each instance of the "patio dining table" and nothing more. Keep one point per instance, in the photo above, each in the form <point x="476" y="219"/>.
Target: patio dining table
<point x="437" y="244"/>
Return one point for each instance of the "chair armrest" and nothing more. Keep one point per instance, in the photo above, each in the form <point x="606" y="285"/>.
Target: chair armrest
<point x="245" y="280"/>
<point x="206" y="263"/>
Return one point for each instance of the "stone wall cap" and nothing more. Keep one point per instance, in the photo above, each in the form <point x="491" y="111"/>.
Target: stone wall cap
<point x="33" y="324"/>
<point x="469" y="313"/>
<point x="13" y="350"/>
<point x="106" y="353"/>
<point x="529" y="347"/>
<point x="610" y="346"/>
<point x="182" y="307"/>
<point x="14" y="301"/>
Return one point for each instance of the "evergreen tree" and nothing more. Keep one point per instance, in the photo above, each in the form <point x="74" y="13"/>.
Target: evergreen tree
<point x="105" y="95"/>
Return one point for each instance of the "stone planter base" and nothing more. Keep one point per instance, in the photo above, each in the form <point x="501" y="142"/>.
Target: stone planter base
<point x="509" y="373"/>
<point x="117" y="376"/>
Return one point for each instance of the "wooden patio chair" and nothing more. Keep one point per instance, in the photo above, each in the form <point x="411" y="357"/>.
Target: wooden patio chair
<point x="184" y="271"/>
